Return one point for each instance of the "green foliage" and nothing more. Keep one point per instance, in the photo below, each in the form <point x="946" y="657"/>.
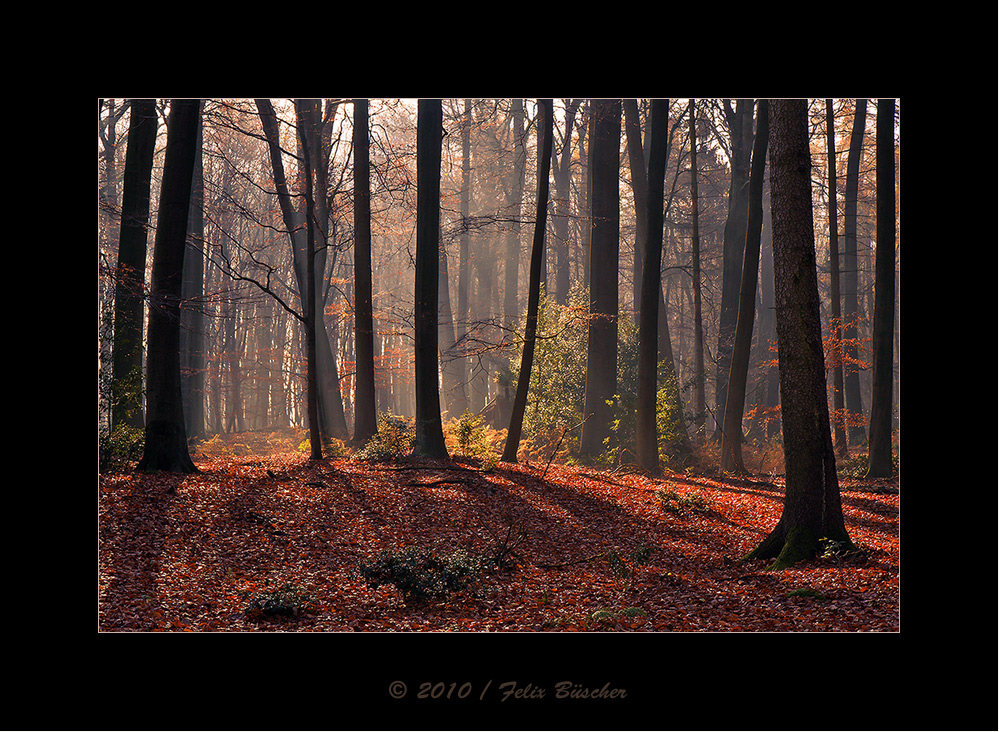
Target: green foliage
<point x="673" y="502"/>
<point x="470" y="433"/>
<point x="421" y="575"/>
<point x="807" y="592"/>
<point x="558" y="374"/>
<point x="118" y="448"/>
<point x="286" y="600"/>
<point x="393" y="440"/>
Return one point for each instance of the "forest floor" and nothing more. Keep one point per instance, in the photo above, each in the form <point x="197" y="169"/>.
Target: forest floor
<point x="276" y="543"/>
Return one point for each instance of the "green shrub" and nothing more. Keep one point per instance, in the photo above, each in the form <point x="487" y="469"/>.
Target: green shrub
<point x="119" y="447"/>
<point x="286" y="600"/>
<point x="393" y="440"/>
<point x="421" y="575"/>
<point x="470" y="434"/>
<point x="673" y="502"/>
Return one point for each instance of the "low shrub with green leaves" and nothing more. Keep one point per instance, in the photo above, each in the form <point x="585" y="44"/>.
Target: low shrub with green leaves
<point x="393" y="440"/>
<point x="422" y="575"/>
<point x="117" y="449"/>
<point x="673" y="502"/>
<point x="286" y="600"/>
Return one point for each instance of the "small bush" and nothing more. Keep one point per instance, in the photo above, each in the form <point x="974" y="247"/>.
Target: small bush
<point x="469" y="432"/>
<point x="286" y="600"/>
<point x="422" y="575"/>
<point x="120" y="447"/>
<point x="673" y="502"/>
<point x="393" y="440"/>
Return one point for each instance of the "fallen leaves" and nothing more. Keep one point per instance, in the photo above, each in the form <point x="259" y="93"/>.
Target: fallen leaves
<point x="593" y="552"/>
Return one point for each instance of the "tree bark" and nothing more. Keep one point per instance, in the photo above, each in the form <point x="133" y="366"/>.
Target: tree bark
<point x="851" y="371"/>
<point x="735" y="400"/>
<point x="879" y="456"/>
<point x="131" y="268"/>
<point x="311" y="315"/>
<point x="601" y="350"/>
<point x="646" y="434"/>
<point x="812" y="512"/>
<point x="166" y="438"/>
<point x="193" y="317"/>
<point x="834" y="291"/>
<point x="429" y="430"/>
<point x="365" y="409"/>
<point x="700" y="405"/>
<point x="740" y="123"/>
<point x="545" y="131"/>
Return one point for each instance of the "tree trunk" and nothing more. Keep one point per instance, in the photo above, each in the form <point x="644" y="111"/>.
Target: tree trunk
<point x="126" y="367"/>
<point x="545" y="130"/>
<point x="192" y="317"/>
<point x="700" y="405"/>
<point x="455" y="401"/>
<point x="851" y="371"/>
<point x="429" y="430"/>
<point x="601" y="350"/>
<point x="834" y="294"/>
<point x="735" y="400"/>
<point x="880" y="463"/>
<point x="464" y="241"/>
<point x="166" y="438"/>
<point x="311" y="315"/>
<point x="646" y="434"/>
<point x="560" y="217"/>
<point x="812" y="512"/>
<point x="740" y="123"/>
<point x="514" y="197"/>
<point x="365" y="409"/>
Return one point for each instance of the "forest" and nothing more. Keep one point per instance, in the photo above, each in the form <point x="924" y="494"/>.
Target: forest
<point x="498" y="365"/>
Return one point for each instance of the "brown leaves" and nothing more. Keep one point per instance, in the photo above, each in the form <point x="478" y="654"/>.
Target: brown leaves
<point x="183" y="553"/>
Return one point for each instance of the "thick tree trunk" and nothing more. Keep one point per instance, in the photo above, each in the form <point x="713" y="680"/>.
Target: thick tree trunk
<point x="601" y="358"/>
<point x="534" y="288"/>
<point x="166" y="437"/>
<point x="429" y="430"/>
<point x="365" y="409"/>
<point x="735" y="400"/>
<point x="126" y="403"/>
<point x="880" y="463"/>
<point x="812" y="510"/>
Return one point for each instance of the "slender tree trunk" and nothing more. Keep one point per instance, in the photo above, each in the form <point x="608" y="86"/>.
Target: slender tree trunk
<point x="851" y="371"/>
<point x="545" y="131"/>
<point x="560" y="218"/>
<point x="464" y="241"/>
<point x="740" y="123"/>
<point x="834" y="293"/>
<point x="880" y="463"/>
<point x="126" y="366"/>
<point x="647" y="438"/>
<point x="192" y="317"/>
<point x="311" y="315"/>
<point x="365" y="410"/>
<point x="166" y="438"/>
<point x="429" y="430"/>
<point x="812" y="512"/>
<point x="735" y="400"/>
<point x="700" y="404"/>
<point x="601" y="359"/>
<point x="514" y="198"/>
<point x="455" y="401"/>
